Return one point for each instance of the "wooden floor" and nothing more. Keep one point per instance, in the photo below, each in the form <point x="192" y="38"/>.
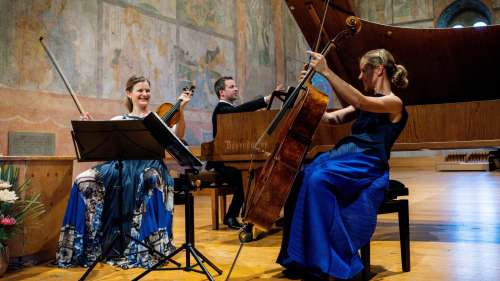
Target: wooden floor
<point x="454" y="225"/>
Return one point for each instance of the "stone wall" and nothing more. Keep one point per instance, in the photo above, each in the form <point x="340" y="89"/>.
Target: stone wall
<point x="100" y="43"/>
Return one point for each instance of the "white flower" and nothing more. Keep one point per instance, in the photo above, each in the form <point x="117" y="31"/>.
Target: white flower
<point x="8" y="196"/>
<point x="4" y="185"/>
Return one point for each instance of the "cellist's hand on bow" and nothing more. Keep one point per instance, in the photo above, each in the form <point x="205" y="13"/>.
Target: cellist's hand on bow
<point x="301" y="75"/>
<point x="318" y="62"/>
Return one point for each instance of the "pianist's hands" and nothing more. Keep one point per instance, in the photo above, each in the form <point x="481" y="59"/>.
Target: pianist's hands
<point x="280" y="88"/>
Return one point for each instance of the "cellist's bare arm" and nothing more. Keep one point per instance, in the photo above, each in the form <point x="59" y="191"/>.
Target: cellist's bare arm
<point x="336" y="117"/>
<point x="340" y="116"/>
<point x="387" y="104"/>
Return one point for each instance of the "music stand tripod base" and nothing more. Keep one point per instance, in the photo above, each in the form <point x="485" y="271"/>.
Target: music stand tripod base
<point x="188" y="246"/>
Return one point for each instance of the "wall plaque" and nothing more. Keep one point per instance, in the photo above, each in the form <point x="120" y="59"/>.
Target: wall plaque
<point x="31" y="143"/>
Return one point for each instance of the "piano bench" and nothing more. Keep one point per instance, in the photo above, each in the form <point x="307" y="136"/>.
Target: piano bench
<point x="212" y="182"/>
<point x="392" y="204"/>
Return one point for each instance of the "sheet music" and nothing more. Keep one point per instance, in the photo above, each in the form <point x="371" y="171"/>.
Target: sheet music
<point x="174" y="146"/>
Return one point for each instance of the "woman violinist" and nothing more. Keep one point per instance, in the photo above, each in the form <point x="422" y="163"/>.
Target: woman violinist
<point x="331" y="211"/>
<point x="147" y="200"/>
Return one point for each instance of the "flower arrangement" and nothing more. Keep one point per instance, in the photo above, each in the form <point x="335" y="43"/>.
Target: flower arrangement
<point x="15" y="208"/>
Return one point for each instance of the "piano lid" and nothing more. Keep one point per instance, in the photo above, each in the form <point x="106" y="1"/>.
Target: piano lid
<point x="444" y="65"/>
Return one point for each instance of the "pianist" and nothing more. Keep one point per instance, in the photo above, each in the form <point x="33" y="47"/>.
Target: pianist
<point x="227" y="92"/>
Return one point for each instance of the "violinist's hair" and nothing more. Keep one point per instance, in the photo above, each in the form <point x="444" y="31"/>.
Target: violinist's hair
<point x="220" y="84"/>
<point x="134" y="79"/>
<point x="397" y="73"/>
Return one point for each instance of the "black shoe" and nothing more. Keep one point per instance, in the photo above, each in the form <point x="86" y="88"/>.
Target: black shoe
<point x="232" y="222"/>
<point x="293" y="274"/>
<point x="280" y="223"/>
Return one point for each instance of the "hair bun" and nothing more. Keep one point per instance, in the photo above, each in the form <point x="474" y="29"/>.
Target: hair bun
<point x="399" y="78"/>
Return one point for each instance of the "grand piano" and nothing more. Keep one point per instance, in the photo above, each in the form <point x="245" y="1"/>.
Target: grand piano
<point x="453" y="98"/>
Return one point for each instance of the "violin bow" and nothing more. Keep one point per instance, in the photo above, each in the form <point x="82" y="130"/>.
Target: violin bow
<point x="66" y="83"/>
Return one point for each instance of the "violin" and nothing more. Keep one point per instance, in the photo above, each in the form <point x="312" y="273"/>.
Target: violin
<point x="170" y="113"/>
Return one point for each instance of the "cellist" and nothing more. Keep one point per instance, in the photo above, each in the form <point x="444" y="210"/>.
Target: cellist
<point x="332" y="208"/>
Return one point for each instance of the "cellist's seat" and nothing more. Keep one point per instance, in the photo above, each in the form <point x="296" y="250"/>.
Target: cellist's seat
<point x="392" y="204"/>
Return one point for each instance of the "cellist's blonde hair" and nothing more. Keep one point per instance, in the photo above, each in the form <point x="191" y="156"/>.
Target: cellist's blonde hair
<point x="397" y="73"/>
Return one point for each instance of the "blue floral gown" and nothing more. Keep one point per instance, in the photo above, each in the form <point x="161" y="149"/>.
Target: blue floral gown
<point x="332" y="209"/>
<point x="147" y="206"/>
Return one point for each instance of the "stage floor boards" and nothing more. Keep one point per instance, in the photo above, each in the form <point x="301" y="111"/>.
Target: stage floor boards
<point x="454" y="225"/>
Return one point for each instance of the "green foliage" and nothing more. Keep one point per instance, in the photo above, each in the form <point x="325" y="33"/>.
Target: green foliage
<point x="25" y="206"/>
<point x="9" y="174"/>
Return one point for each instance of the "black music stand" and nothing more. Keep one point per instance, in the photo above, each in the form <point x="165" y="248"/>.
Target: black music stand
<point x="115" y="140"/>
<point x="128" y="140"/>
<point x="184" y="158"/>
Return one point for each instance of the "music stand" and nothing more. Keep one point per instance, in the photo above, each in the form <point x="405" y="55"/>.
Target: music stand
<point x="185" y="158"/>
<point x="115" y="140"/>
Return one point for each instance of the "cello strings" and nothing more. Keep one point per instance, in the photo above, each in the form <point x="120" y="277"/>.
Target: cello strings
<point x="321" y="26"/>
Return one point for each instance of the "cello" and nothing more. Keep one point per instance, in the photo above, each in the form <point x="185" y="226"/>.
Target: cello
<point x="302" y="114"/>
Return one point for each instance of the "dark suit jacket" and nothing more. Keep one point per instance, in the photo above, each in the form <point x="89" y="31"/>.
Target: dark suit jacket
<point x="223" y="107"/>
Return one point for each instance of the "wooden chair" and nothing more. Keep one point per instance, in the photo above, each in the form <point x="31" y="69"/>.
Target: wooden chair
<point x="392" y="204"/>
<point x="218" y="205"/>
<point x="217" y="190"/>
